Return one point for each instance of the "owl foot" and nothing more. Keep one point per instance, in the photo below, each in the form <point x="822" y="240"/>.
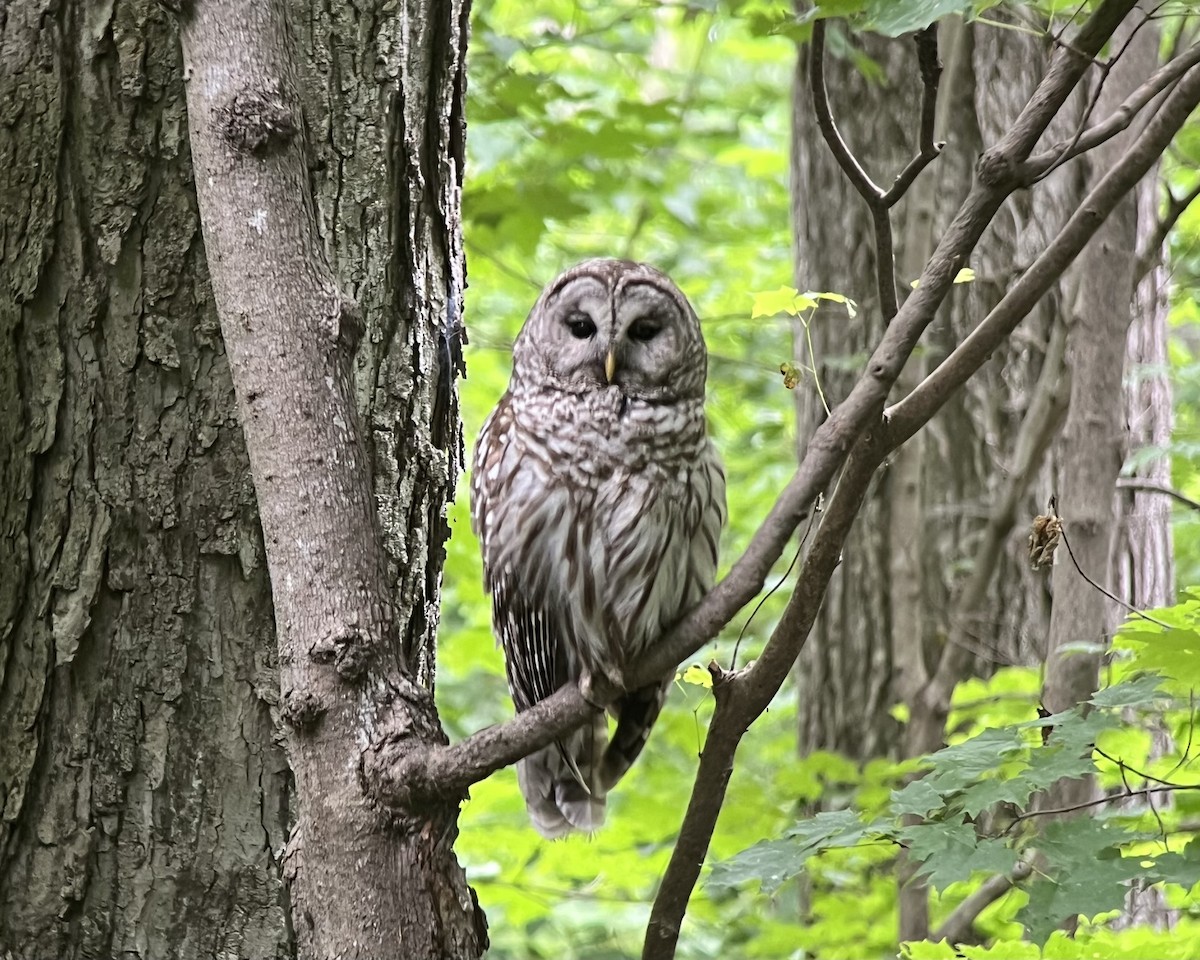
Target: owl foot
<point x="598" y="689"/>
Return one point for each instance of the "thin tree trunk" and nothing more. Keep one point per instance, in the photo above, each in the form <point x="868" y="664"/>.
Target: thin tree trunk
<point x="363" y="878"/>
<point x="1096" y="435"/>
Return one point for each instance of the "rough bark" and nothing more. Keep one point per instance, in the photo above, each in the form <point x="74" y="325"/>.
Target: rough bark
<point x="893" y="603"/>
<point x="1095" y="438"/>
<point x="363" y="879"/>
<point x="1120" y="402"/>
<point x="143" y="793"/>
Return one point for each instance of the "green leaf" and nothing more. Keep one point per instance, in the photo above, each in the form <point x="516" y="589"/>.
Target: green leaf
<point x="894" y="17"/>
<point x="1131" y="693"/>
<point x="1084" y="874"/>
<point x="924" y="950"/>
<point x="771" y="863"/>
<point x="696" y="674"/>
<point x="918" y="798"/>
<point x="787" y="300"/>
<point x="810" y="296"/>
<point x="774" y="862"/>
<point x="965" y="275"/>
<point x="950" y="852"/>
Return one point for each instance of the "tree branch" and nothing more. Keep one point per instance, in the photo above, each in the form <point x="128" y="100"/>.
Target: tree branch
<point x="957" y="927"/>
<point x="1151" y="253"/>
<point x="1118" y="121"/>
<point x="857" y="176"/>
<point x="742" y="697"/>
<point x="915" y="410"/>
<point x="434" y="768"/>
<point x="1150" y="486"/>
<point x="877" y="200"/>
<point x="928" y="149"/>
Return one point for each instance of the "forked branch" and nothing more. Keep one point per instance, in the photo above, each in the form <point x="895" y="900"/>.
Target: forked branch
<point x="879" y="201"/>
<point x="406" y="772"/>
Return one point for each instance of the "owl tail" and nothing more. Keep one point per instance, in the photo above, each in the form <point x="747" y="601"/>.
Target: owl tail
<point x="635" y="713"/>
<point x="561" y="783"/>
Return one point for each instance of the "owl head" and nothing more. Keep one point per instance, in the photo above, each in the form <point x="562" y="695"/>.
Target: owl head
<point x="612" y="325"/>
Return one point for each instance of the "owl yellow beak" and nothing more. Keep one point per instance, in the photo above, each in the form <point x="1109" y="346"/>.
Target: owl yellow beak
<point x="610" y="366"/>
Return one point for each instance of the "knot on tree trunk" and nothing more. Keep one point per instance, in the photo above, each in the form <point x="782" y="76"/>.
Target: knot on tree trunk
<point x="996" y="169"/>
<point x="398" y="770"/>
<point x="347" y="649"/>
<point x="257" y="121"/>
<point x="302" y="709"/>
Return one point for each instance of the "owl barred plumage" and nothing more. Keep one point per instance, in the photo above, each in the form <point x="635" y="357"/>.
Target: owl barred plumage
<point x="598" y="501"/>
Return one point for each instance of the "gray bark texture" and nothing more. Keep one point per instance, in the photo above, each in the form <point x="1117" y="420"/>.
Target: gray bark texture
<point x="937" y="558"/>
<point x="144" y="792"/>
<point x="145" y="797"/>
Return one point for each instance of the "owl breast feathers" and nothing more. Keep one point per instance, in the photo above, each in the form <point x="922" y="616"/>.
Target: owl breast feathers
<point x="598" y="501"/>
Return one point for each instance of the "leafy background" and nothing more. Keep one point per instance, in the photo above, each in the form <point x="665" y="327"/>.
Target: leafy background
<point x="659" y="131"/>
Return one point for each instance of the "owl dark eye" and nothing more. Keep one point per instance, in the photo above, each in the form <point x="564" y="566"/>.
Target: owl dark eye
<point x="580" y="326"/>
<point x="645" y="329"/>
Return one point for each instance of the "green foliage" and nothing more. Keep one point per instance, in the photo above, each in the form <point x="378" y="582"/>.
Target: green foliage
<point x="660" y="132"/>
<point x="978" y="809"/>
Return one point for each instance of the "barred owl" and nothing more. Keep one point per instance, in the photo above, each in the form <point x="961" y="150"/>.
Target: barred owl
<point x="598" y="501"/>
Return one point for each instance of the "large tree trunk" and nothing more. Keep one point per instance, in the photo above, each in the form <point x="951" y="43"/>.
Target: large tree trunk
<point x="144" y="795"/>
<point x="143" y="791"/>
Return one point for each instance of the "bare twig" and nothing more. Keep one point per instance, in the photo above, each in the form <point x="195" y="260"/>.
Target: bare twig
<point x="1043" y="418"/>
<point x="754" y="687"/>
<point x="1101" y="588"/>
<point x="1098" y="802"/>
<point x="857" y="176"/>
<point x="1151" y="253"/>
<point x="1141" y="485"/>
<point x="1122" y="766"/>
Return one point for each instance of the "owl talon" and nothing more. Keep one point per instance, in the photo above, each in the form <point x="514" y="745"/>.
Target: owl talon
<point x="587" y="690"/>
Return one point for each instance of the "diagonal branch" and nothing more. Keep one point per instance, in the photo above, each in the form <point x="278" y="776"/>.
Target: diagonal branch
<point x="741" y="697"/>
<point x="915" y="410"/>
<point x="407" y="772"/>
<point x="1119" y="120"/>
<point x="1142" y="485"/>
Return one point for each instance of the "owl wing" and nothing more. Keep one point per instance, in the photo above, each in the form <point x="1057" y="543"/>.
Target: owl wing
<point x="511" y="504"/>
<point x="524" y="628"/>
